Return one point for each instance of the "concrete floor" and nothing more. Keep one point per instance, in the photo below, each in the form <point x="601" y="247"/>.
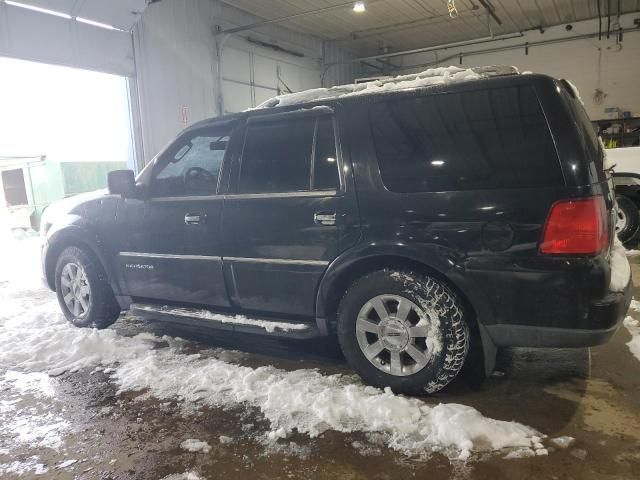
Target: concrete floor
<point x="593" y="396"/>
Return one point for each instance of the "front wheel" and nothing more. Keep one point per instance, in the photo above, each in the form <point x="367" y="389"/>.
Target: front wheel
<point x="83" y="292"/>
<point x="403" y="330"/>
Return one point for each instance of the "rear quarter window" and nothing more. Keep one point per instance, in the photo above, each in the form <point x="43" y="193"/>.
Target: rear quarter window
<point x="482" y="139"/>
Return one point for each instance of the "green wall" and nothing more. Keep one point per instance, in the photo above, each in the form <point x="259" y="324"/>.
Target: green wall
<point x="79" y="177"/>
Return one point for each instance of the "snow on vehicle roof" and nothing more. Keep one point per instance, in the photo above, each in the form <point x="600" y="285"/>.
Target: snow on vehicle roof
<point x="430" y="77"/>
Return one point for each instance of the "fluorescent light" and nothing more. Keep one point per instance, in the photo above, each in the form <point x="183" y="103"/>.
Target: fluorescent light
<point x="95" y="24"/>
<point x="38" y="9"/>
<point x="359" y="7"/>
<point x="437" y="163"/>
<point x="331" y="159"/>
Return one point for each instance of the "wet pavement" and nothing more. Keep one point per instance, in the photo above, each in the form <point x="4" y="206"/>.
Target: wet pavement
<point x="76" y="425"/>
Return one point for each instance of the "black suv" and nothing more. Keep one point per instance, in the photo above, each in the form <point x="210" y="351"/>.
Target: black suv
<point x="422" y="226"/>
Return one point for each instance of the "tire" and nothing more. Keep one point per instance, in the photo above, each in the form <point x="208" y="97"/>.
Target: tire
<point x="628" y="219"/>
<point x="420" y="311"/>
<point x="89" y="298"/>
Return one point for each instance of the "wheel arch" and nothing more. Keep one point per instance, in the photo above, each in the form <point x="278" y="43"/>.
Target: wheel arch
<point x="73" y="236"/>
<point x="437" y="261"/>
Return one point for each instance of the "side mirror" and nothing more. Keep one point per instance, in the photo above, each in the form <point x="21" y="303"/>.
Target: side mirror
<point x="121" y="182"/>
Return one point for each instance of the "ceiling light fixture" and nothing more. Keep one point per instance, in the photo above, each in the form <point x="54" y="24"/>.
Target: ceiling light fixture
<point x="451" y="8"/>
<point x="359" y="7"/>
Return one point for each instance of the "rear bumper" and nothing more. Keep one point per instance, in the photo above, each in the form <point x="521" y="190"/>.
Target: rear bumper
<point x="604" y="316"/>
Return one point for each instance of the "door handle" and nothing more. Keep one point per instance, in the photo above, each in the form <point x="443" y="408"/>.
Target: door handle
<point x="325" y="218"/>
<point x="194" y="218"/>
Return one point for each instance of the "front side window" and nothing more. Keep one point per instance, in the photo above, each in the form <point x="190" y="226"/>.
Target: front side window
<point x="293" y="155"/>
<point x="481" y="139"/>
<point x="190" y="167"/>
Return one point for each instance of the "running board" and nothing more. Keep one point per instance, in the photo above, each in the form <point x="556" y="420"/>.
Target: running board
<point x="235" y="323"/>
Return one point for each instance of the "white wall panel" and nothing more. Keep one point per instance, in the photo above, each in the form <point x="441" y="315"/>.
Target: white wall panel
<point x="588" y="63"/>
<point x="236" y="64"/>
<point x="237" y="96"/>
<point x="31" y="35"/>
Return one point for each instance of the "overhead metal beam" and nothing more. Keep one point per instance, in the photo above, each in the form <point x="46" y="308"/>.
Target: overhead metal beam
<point x="372" y="32"/>
<point x="286" y="18"/>
<point x="490" y="10"/>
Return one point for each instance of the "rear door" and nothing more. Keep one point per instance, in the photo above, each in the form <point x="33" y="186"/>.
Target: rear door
<point x="291" y="210"/>
<point x="173" y="252"/>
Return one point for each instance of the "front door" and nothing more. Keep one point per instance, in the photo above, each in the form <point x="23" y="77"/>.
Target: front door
<point x="291" y="211"/>
<point x="173" y="253"/>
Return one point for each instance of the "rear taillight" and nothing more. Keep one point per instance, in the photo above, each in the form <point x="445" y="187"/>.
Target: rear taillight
<point x="576" y="227"/>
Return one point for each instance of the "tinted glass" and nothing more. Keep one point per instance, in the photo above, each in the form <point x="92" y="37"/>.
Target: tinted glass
<point x="325" y="165"/>
<point x="191" y="165"/>
<point x="484" y="139"/>
<point x="277" y="157"/>
<point x="585" y="128"/>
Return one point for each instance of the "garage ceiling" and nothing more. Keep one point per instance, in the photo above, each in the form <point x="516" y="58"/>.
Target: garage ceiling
<point x="121" y="14"/>
<point x="404" y="24"/>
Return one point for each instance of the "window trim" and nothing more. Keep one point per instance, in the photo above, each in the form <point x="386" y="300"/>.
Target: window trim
<point x="318" y="113"/>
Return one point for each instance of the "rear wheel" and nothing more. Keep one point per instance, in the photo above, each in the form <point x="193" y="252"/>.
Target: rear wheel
<point x="627" y="220"/>
<point x="403" y="330"/>
<point x="84" y="294"/>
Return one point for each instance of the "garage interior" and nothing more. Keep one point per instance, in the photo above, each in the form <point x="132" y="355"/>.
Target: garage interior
<point x="162" y="65"/>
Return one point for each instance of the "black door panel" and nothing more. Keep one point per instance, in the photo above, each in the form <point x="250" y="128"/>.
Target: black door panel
<point x="277" y="252"/>
<point x="172" y="252"/>
<point x="278" y="243"/>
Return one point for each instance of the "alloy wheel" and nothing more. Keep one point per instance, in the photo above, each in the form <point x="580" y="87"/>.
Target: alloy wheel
<point x="76" y="291"/>
<point x="392" y="333"/>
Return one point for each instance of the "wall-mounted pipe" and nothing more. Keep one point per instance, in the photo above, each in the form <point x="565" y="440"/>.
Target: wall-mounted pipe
<point x="429" y="49"/>
<point x="508" y="47"/>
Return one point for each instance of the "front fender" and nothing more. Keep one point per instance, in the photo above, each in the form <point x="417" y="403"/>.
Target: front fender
<point x="72" y="230"/>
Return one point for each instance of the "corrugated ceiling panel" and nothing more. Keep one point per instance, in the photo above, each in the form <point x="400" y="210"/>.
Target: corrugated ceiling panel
<point x="371" y="27"/>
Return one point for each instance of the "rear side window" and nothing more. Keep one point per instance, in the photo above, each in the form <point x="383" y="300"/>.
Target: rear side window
<point x="292" y="155"/>
<point x="277" y="157"/>
<point x="483" y="139"/>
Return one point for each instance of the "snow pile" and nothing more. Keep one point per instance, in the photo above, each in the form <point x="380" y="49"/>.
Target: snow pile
<point x="195" y="445"/>
<point x="268" y="325"/>
<point x="620" y="268"/>
<point x="563" y="442"/>
<point x="183" y="476"/>
<point x="633" y="326"/>
<point x="35" y="383"/>
<point x="29" y="466"/>
<point x="38" y="339"/>
<point x="311" y="403"/>
<point x="430" y="77"/>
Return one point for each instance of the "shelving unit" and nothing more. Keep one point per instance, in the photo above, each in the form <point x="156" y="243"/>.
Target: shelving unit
<point x="629" y="135"/>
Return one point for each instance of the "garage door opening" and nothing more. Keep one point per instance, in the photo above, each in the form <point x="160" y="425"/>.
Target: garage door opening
<point x="63" y="129"/>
